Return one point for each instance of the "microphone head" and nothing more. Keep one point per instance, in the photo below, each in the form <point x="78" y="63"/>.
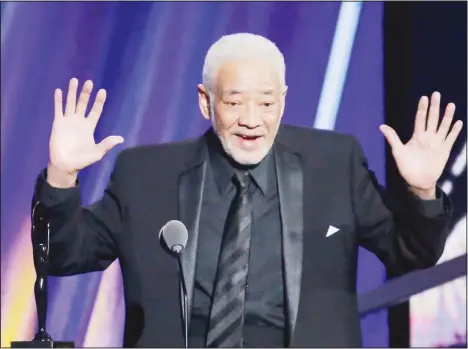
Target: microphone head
<point x="175" y="235"/>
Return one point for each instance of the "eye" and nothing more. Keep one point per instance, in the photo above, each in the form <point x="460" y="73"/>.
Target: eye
<point x="232" y="103"/>
<point x="268" y="104"/>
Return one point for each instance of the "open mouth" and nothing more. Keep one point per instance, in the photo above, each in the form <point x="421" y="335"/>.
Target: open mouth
<point x="248" y="138"/>
<point x="248" y="141"/>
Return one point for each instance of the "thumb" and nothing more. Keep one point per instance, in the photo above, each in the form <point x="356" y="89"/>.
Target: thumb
<point x="110" y="142"/>
<point x="391" y="136"/>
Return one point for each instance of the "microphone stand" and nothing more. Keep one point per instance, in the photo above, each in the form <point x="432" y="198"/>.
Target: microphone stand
<point x="177" y="250"/>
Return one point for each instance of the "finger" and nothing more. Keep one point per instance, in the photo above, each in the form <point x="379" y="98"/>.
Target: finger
<point x="58" y="100"/>
<point x="391" y="136"/>
<point x="446" y="121"/>
<point x="98" y="105"/>
<point x="108" y="143"/>
<point x="452" y="136"/>
<point x="71" y="97"/>
<point x="84" y="97"/>
<point x="434" y="110"/>
<point x="421" y="115"/>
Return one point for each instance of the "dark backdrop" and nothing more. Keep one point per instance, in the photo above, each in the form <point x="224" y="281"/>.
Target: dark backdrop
<point x="425" y="50"/>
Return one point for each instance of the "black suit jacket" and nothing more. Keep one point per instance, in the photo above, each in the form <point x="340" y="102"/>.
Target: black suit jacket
<point x="323" y="181"/>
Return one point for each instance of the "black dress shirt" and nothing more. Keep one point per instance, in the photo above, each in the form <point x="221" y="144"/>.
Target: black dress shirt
<point x="264" y="309"/>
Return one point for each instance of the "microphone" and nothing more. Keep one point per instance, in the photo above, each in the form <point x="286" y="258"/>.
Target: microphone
<point x="174" y="235"/>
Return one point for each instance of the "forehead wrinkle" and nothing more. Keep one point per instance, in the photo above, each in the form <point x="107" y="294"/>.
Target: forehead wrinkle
<point x="229" y="92"/>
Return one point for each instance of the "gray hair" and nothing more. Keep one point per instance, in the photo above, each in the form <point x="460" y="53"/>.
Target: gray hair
<point x="238" y="46"/>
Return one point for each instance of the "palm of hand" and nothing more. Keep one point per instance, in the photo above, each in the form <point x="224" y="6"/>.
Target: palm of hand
<point x="72" y="146"/>
<point x="421" y="161"/>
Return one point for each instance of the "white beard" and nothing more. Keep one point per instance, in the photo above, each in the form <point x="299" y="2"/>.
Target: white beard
<point x="241" y="156"/>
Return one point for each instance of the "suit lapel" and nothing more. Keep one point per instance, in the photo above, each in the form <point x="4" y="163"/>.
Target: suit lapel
<point x="190" y="193"/>
<point x="290" y="189"/>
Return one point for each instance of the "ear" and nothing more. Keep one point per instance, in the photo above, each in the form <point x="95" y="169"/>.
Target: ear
<point x="204" y="101"/>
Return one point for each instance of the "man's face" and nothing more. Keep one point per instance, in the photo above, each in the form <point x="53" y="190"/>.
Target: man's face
<point x="245" y="109"/>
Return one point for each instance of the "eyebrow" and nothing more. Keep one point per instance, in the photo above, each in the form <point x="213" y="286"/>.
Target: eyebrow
<point x="231" y="92"/>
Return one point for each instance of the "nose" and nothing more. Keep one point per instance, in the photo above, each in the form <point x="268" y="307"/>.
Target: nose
<point x="250" y="117"/>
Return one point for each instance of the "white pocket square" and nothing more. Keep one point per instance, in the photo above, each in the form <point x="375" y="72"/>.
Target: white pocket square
<point x="331" y="230"/>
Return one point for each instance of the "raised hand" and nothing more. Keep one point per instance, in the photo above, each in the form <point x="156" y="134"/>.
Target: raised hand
<point x="422" y="160"/>
<point x="72" y="146"/>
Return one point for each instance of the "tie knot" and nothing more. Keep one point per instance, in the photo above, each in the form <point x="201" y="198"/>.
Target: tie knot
<point x="242" y="179"/>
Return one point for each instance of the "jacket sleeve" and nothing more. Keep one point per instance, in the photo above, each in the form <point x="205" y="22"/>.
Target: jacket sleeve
<point x="406" y="233"/>
<point x="82" y="239"/>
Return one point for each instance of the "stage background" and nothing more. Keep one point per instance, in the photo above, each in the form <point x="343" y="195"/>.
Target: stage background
<point x="426" y="48"/>
<point x="149" y="57"/>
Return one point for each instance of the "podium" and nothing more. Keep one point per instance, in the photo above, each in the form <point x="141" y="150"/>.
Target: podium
<point x="40" y="236"/>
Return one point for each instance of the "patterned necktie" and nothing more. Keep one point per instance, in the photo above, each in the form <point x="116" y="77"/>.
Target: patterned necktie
<point x="227" y="309"/>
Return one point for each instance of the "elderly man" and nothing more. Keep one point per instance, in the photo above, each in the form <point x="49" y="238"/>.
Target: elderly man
<point x="275" y="213"/>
